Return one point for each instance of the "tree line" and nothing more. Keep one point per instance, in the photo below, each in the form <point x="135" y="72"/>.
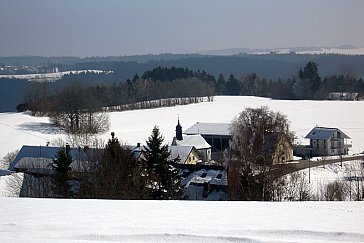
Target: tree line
<point x="307" y="84"/>
<point x="79" y="108"/>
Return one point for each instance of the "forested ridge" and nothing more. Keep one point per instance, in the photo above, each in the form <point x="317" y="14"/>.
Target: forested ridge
<point x="272" y="75"/>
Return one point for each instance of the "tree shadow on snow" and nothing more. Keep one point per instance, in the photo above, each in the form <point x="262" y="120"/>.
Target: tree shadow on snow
<point x="41" y="127"/>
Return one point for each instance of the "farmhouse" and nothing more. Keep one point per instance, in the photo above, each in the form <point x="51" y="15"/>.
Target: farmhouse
<point x="39" y="159"/>
<point x="324" y="141"/>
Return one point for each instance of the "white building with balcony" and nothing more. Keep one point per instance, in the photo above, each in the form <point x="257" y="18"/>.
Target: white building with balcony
<point x="326" y="141"/>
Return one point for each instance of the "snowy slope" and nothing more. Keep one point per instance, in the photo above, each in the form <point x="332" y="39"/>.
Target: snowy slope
<point x="131" y="127"/>
<point x="47" y="220"/>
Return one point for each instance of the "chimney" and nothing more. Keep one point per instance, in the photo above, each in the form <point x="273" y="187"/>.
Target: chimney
<point x="138" y="145"/>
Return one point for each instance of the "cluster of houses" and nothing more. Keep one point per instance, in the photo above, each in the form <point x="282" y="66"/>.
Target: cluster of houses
<point x="197" y="152"/>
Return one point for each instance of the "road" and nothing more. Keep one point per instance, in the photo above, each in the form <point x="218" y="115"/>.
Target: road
<point x="288" y="168"/>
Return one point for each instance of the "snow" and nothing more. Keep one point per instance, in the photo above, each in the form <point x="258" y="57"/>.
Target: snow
<point x="319" y="51"/>
<point x="57" y="220"/>
<point x="131" y="127"/>
<point x="50" y="76"/>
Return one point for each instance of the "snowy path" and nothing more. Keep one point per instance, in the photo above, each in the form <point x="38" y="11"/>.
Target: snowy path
<point x="52" y="220"/>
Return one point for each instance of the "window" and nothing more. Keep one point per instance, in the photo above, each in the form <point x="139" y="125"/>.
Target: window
<point x="203" y="175"/>
<point x="219" y="176"/>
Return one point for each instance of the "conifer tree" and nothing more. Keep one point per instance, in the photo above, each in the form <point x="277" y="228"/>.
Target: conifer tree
<point x="62" y="169"/>
<point x="163" y="178"/>
<point x="117" y="174"/>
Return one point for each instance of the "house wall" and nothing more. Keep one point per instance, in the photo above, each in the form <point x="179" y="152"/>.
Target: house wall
<point x="217" y="142"/>
<point x="192" y="158"/>
<point x="283" y="152"/>
<point x="335" y="145"/>
<point x="205" y="154"/>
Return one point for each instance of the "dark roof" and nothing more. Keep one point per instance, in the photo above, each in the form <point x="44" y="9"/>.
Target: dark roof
<point x="324" y="133"/>
<point x="5" y="172"/>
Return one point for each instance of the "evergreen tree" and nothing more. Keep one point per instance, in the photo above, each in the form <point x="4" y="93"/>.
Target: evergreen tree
<point x="310" y="73"/>
<point x="163" y="178"/>
<point x="62" y="170"/>
<point x="233" y="87"/>
<point x="117" y="175"/>
<point x="221" y="85"/>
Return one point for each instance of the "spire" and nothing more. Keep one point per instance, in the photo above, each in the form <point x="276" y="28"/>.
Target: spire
<point x="179" y="131"/>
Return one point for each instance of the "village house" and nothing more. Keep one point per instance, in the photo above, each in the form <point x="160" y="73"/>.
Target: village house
<point x="39" y="159"/>
<point x="342" y="96"/>
<point x="277" y="148"/>
<point x="184" y="154"/>
<point x="197" y="141"/>
<point x="206" y="184"/>
<point x="324" y="141"/>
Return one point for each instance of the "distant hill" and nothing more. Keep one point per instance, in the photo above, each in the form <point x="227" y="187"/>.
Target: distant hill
<point x="342" y="49"/>
<point x="12" y="92"/>
<point x="270" y="66"/>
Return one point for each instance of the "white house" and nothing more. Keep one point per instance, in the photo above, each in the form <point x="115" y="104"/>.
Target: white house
<point x="326" y="141"/>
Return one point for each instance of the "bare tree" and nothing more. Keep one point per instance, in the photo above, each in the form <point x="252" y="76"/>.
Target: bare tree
<point x="297" y="187"/>
<point x="8" y="158"/>
<point x="336" y="191"/>
<point x="256" y="136"/>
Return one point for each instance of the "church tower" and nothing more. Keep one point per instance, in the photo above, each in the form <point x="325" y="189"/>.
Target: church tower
<point x="179" y="131"/>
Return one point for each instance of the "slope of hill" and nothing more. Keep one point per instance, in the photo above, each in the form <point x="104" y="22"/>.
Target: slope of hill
<point x="135" y="126"/>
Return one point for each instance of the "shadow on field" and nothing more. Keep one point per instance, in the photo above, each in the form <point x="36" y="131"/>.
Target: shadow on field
<point x="41" y="127"/>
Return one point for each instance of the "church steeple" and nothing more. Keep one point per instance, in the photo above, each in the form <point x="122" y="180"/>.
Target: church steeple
<point x="179" y="131"/>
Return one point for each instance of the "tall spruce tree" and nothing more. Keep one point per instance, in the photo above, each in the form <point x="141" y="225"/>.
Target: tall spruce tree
<point x="62" y="173"/>
<point x="117" y="175"/>
<point x="163" y="178"/>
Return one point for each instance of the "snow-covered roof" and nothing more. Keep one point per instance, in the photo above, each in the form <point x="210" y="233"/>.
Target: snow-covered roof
<point x="49" y="153"/>
<point x="180" y="152"/>
<point x="209" y="129"/>
<point x="324" y="133"/>
<point x="215" y="177"/>
<point x="192" y="140"/>
<point x="137" y="151"/>
<point x="44" y="165"/>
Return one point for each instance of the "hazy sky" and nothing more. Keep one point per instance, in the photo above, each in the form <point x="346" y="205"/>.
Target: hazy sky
<point x="120" y="27"/>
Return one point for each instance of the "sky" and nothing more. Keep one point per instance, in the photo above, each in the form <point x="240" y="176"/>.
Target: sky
<point x="121" y="27"/>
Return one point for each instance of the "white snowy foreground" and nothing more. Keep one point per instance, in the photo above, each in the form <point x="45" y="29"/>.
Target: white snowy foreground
<point x="52" y="220"/>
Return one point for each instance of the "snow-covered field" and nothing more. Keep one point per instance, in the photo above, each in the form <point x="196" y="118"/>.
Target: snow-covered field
<point x="132" y="127"/>
<point x="136" y="126"/>
<point x="47" y="220"/>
